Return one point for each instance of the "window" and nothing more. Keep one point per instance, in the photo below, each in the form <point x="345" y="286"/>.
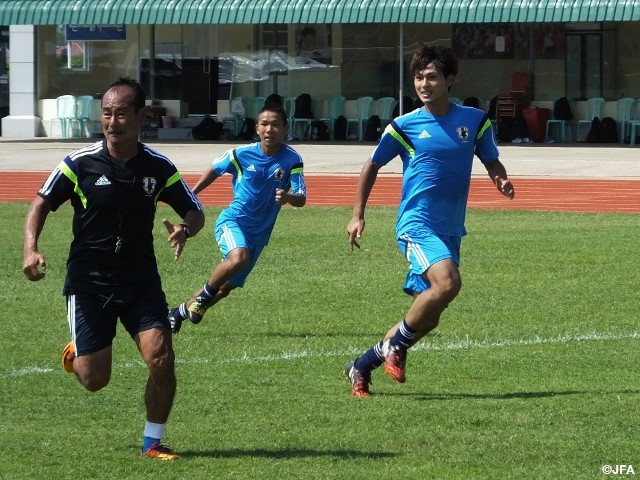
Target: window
<point x="71" y="55"/>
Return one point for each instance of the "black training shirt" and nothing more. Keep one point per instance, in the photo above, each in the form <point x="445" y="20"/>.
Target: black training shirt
<point x="114" y="208"/>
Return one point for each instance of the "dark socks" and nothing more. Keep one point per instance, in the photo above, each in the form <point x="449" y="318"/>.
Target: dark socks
<point x="371" y="359"/>
<point x="180" y="312"/>
<point x="403" y="336"/>
<point x="208" y="292"/>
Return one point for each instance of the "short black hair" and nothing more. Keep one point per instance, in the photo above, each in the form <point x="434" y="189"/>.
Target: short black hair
<point x="443" y="58"/>
<point x="139" y="97"/>
<point x="275" y="108"/>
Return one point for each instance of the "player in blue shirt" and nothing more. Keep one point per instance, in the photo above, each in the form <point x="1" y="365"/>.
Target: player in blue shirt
<point x="266" y="175"/>
<point x="436" y="144"/>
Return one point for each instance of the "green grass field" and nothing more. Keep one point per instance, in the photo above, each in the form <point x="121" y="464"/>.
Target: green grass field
<point x="532" y="374"/>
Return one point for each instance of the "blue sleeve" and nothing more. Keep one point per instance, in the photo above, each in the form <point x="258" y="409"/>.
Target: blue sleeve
<point x="298" y="184"/>
<point x="392" y="144"/>
<point x="225" y="163"/>
<point x="486" y="147"/>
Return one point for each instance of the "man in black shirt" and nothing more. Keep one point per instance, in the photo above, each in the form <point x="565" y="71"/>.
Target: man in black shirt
<point x="114" y="186"/>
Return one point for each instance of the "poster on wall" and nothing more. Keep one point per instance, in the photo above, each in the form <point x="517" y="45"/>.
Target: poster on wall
<point x="518" y="41"/>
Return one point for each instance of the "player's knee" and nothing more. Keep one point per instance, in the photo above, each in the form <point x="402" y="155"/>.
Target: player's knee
<point x="94" y="381"/>
<point x="161" y="362"/>
<point x="454" y="285"/>
<point x="239" y="257"/>
<point x="93" y="371"/>
<point x="448" y="287"/>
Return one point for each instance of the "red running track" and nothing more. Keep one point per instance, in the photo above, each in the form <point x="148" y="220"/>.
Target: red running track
<point x="596" y="196"/>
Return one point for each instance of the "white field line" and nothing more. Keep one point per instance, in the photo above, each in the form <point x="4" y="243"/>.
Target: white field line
<point x="464" y="344"/>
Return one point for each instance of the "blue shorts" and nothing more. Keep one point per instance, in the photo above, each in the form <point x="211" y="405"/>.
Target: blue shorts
<point x="229" y="236"/>
<point x="93" y="318"/>
<point x="422" y="250"/>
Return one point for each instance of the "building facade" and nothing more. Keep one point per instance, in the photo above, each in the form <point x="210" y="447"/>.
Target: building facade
<point x="194" y="56"/>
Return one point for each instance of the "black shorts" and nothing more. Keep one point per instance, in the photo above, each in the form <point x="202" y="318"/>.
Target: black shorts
<point x="93" y="318"/>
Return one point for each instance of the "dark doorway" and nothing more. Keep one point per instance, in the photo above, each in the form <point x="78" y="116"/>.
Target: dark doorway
<point x="192" y="80"/>
<point x="584" y="65"/>
<point x="200" y="85"/>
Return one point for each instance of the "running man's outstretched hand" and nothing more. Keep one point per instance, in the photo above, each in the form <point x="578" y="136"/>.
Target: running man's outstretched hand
<point x="177" y="237"/>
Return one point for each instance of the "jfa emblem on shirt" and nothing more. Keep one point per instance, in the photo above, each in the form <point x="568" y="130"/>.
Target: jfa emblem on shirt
<point x="463" y="133"/>
<point x="149" y="185"/>
<point x="279" y="174"/>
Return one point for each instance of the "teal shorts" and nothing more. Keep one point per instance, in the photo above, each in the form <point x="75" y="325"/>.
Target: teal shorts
<point x="423" y="249"/>
<point x="230" y="236"/>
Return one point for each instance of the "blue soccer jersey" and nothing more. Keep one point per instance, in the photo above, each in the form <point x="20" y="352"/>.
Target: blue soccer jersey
<point x="437" y="155"/>
<point x="255" y="180"/>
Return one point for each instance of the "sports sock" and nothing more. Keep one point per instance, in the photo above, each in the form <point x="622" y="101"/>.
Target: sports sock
<point x="403" y="336"/>
<point x="371" y="359"/>
<point x="153" y="433"/>
<point x="180" y="312"/>
<point x="208" y="292"/>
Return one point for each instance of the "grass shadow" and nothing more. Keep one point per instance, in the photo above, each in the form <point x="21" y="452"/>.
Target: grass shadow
<point x="285" y="453"/>
<point x="505" y="396"/>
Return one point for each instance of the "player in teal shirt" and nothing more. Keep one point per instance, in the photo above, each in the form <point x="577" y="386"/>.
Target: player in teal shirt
<point x="436" y="153"/>
<point x="265" y="176"/>
<point x="437" y="144"/>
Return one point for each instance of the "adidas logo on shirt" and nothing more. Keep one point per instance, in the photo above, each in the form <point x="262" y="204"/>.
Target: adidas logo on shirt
<point x="424" y="134"/>
<point x="251" y="168"/>
<point x="102" y="181"/>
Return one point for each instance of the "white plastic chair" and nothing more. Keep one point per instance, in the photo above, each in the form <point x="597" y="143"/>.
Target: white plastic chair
<point x="563" y="126"/>
<point x="234" y="118"/>
<point x="594" y="109"/>
<point x="384" y="109"/>
<point x="65" y="114"/>
<point x="633" y="123"/>
<point x="289" y="105"/>
<point x="363" y="105"/>
<point x="304" y="121"/>
<point x="624" y="109"/>
<point x="83" y="115"/>
<point x="334" y="110"/>
<point x="253" y="106"/>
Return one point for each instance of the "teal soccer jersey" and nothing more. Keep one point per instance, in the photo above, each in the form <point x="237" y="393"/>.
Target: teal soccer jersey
<point x="437" y="155"/>
<point x="255" y="180"/>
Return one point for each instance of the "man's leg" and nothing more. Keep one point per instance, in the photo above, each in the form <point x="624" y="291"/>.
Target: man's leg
<point x="423" y="315"/>
<point x="216" y="288"/>
<point x="93" y="370"/>
<point x="155" y="346"/>
<point x="212" y="292"/>
<point x="92" y="325"/>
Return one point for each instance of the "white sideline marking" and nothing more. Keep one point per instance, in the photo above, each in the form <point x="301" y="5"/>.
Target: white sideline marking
<point x="23" y="372"/>
<point x="464" y="344"/>
<point x="456" y="345"/>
